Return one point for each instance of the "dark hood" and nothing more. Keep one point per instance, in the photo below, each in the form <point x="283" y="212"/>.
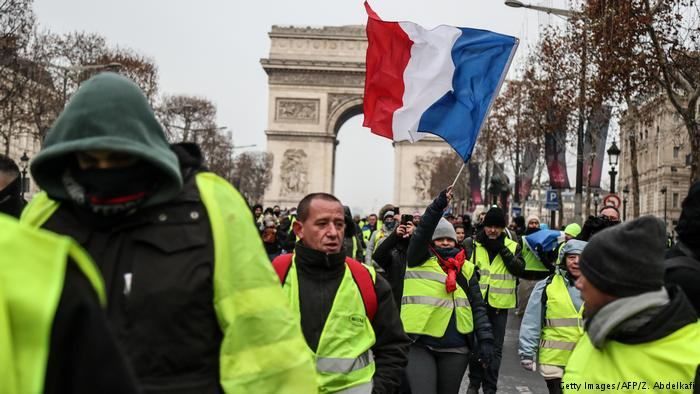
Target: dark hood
<point x="108" y="112"/>
<point x="11" y="202"/>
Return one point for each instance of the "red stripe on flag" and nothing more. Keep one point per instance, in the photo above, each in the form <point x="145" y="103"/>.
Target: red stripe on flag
<point x="388" y="52"/>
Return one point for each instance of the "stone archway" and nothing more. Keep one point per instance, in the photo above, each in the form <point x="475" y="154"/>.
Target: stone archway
<point x="316" y="83"/>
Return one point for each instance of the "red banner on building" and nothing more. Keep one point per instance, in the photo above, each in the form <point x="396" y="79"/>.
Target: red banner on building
<point x="475" y="184"/>
<point x="555" y="156"/>
<point x="596" y="135"/>
<point x="527" y="170"/>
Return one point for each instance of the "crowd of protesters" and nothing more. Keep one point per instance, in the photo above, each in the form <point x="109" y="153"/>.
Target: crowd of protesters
<point x="135" y="269"/>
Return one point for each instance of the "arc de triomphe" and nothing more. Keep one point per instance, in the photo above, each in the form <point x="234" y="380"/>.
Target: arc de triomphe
<point x="316" y="83"/>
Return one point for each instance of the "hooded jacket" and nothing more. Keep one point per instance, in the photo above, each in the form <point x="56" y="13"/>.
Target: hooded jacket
<point x="176" y="313"/>
<point x="108" y="112"/>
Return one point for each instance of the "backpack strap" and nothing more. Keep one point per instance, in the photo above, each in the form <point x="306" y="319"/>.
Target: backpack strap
<point x="365" y="284"/>
<point x="544" y="298"/>
<point x="281" y="264"/>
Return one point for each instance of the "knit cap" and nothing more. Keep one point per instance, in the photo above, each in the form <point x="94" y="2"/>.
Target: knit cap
<point x="574" y="246"/>
<point x="444" y="229"/>
<point x="627" y="259"/>
<point x="573" y="230"/>
<point x="531" y="218"/>
<point x="495" y="217"/>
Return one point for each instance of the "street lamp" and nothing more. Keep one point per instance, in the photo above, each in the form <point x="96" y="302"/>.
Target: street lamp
<point x="24" y="183"/>
<point x="578" y="197"/>
<point x="596" y="200"/>
<point x="663" y="191"/>
<point x="625" y="193"/>
<point x="613" y="157"/>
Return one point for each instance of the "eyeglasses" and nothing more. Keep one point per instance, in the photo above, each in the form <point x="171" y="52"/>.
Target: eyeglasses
<point x="610" y="218"/>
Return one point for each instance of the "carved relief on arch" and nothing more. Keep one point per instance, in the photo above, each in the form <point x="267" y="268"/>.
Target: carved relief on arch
<point x="297" y="110"/>
<point x="294" y="172"/>
<point x="338" y="105"/>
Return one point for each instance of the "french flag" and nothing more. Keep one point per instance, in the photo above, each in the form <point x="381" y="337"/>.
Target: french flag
<point x="440" y="81"/>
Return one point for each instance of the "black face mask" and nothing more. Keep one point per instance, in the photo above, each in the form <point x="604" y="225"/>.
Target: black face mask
<point x="115" y="190"/>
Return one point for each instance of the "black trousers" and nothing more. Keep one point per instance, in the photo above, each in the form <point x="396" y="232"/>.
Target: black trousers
<point x="431" y="372"/>
<point x="553" y="385"/>
<point x="488" y="377"/>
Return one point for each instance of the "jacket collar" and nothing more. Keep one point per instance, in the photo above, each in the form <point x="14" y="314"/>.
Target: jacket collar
<point x="308" y="258"/>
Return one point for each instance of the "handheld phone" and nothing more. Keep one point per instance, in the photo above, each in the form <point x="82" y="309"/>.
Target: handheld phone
<point x="406" y="218"/>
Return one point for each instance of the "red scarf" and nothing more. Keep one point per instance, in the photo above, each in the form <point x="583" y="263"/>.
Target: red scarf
<point x="452" y="266"/>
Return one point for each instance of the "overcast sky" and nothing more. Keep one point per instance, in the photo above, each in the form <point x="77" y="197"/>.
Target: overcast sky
<point x="212" y="48"/>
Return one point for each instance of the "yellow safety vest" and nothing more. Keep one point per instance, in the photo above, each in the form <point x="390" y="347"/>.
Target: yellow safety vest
<point x="497" y="283"/>
<point x="262" y="349"/>
<point x="660" y="366"/>
<point x="32" y="270"/>
<point x="563" y="324"/>
<point x="343" y="357"/>
<point x="426" y="306"/>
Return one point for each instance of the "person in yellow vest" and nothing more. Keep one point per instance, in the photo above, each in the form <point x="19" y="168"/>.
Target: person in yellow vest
<point x="354" y="352"/>
<point x="191" y="295"/>
<point x="553" y="320"/>
<point x="386" y="226"/>
<point x="640" y="335"/>
<point x="54" y="336"/>
<point x="441" y="307"/>
<point x="499" y="263"/>
<point x="370" y="227"/>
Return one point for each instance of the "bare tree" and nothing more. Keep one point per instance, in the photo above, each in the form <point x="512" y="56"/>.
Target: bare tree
<point x="252" y="174"/>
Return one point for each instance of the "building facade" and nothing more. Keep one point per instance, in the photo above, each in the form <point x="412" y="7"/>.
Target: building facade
<point x="662" y="147"/>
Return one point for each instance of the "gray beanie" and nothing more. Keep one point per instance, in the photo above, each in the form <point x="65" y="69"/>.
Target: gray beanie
<point x="627" y="259"/>
<point x="574" y="246"/>
<point x="444" y="229"/>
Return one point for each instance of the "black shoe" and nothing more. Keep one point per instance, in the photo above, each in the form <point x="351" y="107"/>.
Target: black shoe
<point x="472" y="390"/>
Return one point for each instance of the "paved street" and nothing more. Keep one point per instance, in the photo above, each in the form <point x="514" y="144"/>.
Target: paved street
<point x="513" y="379"/>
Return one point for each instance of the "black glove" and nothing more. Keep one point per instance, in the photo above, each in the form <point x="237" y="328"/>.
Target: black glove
<point x="441" y="200"/>
<point x="485" y="352"/>
<point x="505" y="253"/>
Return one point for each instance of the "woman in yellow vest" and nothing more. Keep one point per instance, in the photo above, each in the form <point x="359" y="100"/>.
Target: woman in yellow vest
<point x="441" y="306"/>
<point x="553" y="321"/>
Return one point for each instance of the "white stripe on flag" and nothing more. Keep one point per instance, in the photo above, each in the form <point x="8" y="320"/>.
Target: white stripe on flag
<point x="428" y="76"/>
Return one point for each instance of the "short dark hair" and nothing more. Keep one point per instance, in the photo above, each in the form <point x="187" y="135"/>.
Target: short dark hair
<point x="256" y="206"/>
<point x="305" y="203"/>
<point x="609" y="207"/>
<point x="460" y="225"/>
<point x="372" y="214"/>
<point x="8" y="166"/>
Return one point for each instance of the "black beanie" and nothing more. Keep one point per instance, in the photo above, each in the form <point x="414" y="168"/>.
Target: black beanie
<point x="688" y="226"/>
<point x="495" y="217"/>
<point x="627" y="259"/>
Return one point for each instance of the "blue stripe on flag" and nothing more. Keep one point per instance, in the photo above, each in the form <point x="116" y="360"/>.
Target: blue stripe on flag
<point x="481" y="61"/>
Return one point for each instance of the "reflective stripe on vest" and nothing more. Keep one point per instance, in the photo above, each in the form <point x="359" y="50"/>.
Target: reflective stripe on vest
<point x="497" y="284"/>
<point x="344" y="365"/>
<point x="340" y="364"/>
<point x="556" y="345"/>
<point x="563" y="324"/>
<point x="426" y="306"/>
<point x="676" y="357"/>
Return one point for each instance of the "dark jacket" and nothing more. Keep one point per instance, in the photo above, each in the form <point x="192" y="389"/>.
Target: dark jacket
<point x="391" y="256"/>
<point x="11" y="203"/>
<point x="83" y="355"/>
<point x="164" y="318"/>
<point x="686" y="275"/>
<point x="319" y="278"/>
<point x="418" y="253"/>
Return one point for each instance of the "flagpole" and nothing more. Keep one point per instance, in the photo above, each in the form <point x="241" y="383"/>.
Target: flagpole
<point x="458" y="174"/>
